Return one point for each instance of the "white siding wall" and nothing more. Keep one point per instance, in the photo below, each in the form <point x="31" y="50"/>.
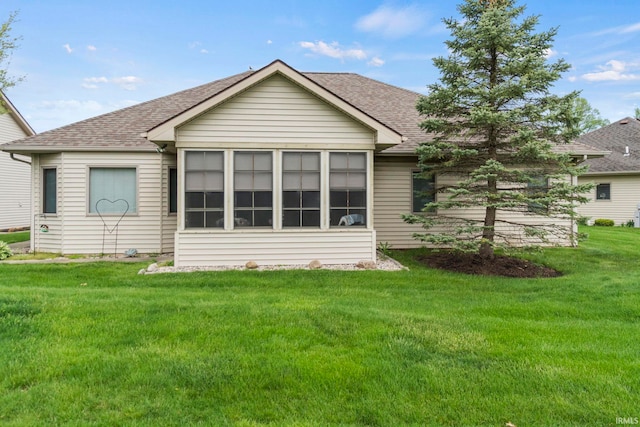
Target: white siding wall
<point x="83" y="232"/>
<point x="274" y="247"/>
<point x="625" y="196"/>
<point x="393" y="198"/>
<point x="15" y="187"/>
<point x="275" y="112"/>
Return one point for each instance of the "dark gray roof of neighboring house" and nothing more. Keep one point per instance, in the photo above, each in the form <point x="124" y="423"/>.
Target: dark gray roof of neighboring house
<point x="122" y="129"/>
<point x="615" y="138"/>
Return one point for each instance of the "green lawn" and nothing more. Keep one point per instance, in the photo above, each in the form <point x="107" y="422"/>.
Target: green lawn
<point x="96" y="344"/>
<point x="19" y="236"/>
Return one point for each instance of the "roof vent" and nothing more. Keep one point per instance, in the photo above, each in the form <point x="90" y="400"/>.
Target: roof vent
<point x="624" y="122"/>
<point x="626" y="151"/>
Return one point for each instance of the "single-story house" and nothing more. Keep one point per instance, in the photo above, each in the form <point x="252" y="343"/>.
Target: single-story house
<point x="616" y="176"/>
<point x="15" y="170"/>
<point x="275" y="166"/>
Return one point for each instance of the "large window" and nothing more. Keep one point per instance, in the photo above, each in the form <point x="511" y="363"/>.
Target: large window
<point x="348" y="189"/>
<point x="603" y="192"/>
<point x="49" y="191"/>
<point x="422" y="190"/>
<point x="253" y="189"/>
<point x="112" y="190"/>
<point x="301" y="189"/>
<point x="204" y="189"/>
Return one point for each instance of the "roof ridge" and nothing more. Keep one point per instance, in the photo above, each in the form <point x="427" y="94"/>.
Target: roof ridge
<point x="365" y="77"/>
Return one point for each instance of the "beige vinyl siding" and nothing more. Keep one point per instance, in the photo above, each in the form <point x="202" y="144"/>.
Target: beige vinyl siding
<point x="169" y="221"/>
<point x="15" y="186"/>
<point x="275" y="112"/>
<point x="274" y="247"/>
<point x="393" y="198"/>
<point x="83" y="232"/>
<point x="47" y="232"/>
<point x="625" y="197"/>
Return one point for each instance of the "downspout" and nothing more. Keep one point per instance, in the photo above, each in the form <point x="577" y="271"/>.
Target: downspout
<point x="12" y="156"/>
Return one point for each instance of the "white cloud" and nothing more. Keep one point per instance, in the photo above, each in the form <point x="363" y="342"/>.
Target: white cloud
<point x="67" y="47"/>
<point x="550" y="53"/>
<point x="614" y="70"/>
<point x="632" y="95"/>
<point x="625" y="29"/>
<point x="126" y="82"/>
<point x="376" y="62"/>
<point x="630" y="28"/>
<point x="333" y="50"/>
<point x="393" y="23"/>
<point x="92" y="48"/>
<point x="269" y="42"/>
<point x="204" y="51"/>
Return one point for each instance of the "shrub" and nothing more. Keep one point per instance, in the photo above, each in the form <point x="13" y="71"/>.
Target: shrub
<point x="582" y="220"/>
<point x="5" y="250"/>
<point x="603" y="222"/>
<point x="631" y="223"/>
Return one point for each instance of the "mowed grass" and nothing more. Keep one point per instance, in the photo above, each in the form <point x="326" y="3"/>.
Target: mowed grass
<point x="19" y="236"/>
<point x="96" y="344"/>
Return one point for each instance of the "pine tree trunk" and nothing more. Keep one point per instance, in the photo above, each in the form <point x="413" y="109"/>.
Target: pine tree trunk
<point x="488" y="235"/>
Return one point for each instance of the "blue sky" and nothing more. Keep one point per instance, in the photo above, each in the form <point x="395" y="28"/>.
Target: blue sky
<point x="82" y="58"/>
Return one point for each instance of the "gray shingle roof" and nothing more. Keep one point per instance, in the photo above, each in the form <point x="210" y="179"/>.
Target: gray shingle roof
<point x="615" y="138"/>
<point x="121" y="130"/>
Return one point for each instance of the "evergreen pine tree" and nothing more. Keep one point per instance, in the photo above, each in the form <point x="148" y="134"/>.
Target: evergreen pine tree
<point x="495" y="125"/>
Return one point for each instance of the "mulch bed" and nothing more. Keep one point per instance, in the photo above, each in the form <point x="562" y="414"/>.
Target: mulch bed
<point x="471" y="263"/>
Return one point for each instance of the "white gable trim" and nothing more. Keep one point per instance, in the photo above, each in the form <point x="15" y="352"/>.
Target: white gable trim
<point x="166" y="132"/>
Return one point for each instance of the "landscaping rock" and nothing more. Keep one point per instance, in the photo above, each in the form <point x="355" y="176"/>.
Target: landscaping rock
<point x="251" y="265"/>
<point x="142" y="271"/>
<point x="315" y="264"/>
<point x="153" y="267"/>
<point x="366" y="265"/>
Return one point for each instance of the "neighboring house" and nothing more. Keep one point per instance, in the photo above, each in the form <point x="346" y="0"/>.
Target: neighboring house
<point x="15" y="173"/>
<point x="616" y="176"/>
<point x="274" y="166"/>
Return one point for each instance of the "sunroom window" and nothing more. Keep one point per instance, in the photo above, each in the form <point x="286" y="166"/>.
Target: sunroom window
<point x="301" y="189"/>
<point x="348" y="189"/>
<point x="204" y="189"/>
<point x="253" y="189"/>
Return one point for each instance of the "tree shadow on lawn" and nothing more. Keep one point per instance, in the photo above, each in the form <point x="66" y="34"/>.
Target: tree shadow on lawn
<point x="500" y="265"/>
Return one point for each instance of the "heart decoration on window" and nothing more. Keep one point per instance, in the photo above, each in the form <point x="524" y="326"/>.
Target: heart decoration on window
<point x="109" y="207"/>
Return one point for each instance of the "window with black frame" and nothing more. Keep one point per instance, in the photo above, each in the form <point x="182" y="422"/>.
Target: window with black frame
<point x="423" y="191"/>
<point x="537" y="190"/>
<point x="204" y="189"/>
<point x="49" y="191"/>
<point x="348" y="189"/>
<point x="603" y="191"/>
<point x="300" y="189"/>
<point x="253" y="189"/>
